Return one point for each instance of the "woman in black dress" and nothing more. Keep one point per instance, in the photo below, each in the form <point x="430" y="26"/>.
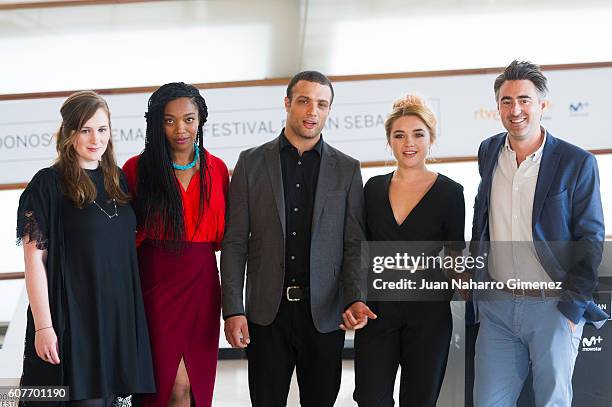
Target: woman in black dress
<point x="410" y="204"/>
<point x="86" y="323"/>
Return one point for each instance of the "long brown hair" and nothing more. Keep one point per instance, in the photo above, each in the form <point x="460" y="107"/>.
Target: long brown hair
<point x="76" y="184"/>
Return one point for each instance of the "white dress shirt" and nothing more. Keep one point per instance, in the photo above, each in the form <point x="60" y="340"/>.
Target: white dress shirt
<point x="510" y="217"/>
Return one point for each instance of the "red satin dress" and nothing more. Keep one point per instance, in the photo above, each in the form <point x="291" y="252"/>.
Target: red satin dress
<point x="182" y="294"/>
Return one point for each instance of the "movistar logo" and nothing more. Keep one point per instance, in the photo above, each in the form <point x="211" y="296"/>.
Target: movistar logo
<point x="591" y="344"/>
<point x="579" y="108"/>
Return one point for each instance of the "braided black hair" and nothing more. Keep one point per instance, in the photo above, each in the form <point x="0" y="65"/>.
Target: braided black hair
<point x="159" y="207"/>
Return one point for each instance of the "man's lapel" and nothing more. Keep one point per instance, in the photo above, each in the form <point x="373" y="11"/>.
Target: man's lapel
<point x="327" y="178"/>
<point x="548" y="167"/>
<point x="489" y="164"/>
<point x="273" y="163"/>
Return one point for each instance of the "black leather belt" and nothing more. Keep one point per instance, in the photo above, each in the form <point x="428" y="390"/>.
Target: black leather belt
<point x="520" y="292"/>
<point x="296" y="293"/>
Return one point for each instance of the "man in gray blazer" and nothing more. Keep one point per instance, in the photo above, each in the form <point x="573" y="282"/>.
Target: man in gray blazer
<point x="296" y="220"/>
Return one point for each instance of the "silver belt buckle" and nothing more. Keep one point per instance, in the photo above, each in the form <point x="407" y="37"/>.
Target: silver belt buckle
<point x="516" y="292"/>
<point x="287" y="293"/>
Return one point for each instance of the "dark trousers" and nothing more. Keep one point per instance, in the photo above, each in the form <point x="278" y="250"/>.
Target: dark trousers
<point x="292" y="341"/>
<point x="415" y="335"/>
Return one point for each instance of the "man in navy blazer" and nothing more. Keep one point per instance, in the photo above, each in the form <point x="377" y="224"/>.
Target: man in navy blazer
<point x="537" y="193"/>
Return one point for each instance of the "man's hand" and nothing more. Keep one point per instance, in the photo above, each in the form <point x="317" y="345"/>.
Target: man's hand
<point x="356" y="316"/>
<point x="237" y="331"/>
<point x="464" y="277"/>
<point x="571" y="325"/>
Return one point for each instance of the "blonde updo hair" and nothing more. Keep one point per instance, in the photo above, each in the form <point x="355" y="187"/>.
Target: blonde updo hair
<point x="412" y="105"/>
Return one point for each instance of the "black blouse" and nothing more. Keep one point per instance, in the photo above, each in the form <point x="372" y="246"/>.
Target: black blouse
<point x="435" y="223"/>
<point x="94" y="291"/>
<point x="438" y="216"/>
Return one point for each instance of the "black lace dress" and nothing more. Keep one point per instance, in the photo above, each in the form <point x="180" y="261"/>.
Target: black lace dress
<point x="94" y="292"/>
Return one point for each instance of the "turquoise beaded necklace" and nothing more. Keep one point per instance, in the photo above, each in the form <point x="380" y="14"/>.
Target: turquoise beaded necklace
<point x="192" y="164"/>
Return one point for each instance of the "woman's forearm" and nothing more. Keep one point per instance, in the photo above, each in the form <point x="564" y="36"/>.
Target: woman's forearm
<point x="36" y="284"/>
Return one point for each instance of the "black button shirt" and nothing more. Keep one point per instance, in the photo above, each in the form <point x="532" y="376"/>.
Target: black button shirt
<point x="300" y="175"/>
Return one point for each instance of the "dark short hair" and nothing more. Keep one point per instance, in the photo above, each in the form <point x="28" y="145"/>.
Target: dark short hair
<point x="310" y="76"/>
<point x="522" y="70"/>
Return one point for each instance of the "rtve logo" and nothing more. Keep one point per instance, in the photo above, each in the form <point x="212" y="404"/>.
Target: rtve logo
<point x="484" y="113"/>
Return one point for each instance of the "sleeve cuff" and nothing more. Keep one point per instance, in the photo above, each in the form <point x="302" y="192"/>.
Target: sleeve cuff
<point x="572" y="310"/>
<point x="351" y="303"/>
<point x="225" y="317"/>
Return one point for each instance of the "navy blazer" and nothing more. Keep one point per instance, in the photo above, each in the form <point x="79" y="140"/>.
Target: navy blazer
<point x="566" y="208"/>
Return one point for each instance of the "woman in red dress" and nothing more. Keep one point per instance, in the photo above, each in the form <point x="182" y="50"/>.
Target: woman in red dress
<point x="179" y="193"/>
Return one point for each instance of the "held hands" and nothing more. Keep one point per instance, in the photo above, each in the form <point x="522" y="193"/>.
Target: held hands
<point x="237" y="331"/>
<point x="46" y="345"/>
<point x="466" y="294"/>
<point x="356" y="316"/>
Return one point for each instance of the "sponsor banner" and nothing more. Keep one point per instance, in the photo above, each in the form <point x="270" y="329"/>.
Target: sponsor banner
<point x="592" y="374"/>
<point x="243" y="117"/>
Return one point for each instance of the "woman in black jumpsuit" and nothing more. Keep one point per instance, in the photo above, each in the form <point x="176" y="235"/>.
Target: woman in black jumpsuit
<point x="410" y="204"/>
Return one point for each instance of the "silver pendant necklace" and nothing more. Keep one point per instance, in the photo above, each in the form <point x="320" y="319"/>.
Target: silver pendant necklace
<point x="114" y="215"/>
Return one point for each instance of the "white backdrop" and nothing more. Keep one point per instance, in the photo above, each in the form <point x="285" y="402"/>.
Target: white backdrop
<point x="242" y="117"/>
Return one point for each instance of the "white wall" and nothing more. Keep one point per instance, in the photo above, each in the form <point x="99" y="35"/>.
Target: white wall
<point x="124" y="45"/>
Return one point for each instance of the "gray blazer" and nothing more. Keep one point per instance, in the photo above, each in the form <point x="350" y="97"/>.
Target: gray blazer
<point x="255" y="237"/>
